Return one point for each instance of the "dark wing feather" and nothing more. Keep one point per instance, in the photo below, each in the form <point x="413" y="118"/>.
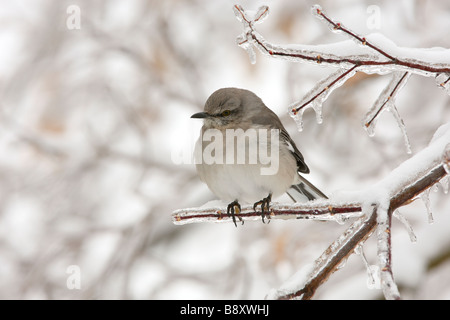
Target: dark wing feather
<point x="301" y="165"/>
<point x="272" y="120"/>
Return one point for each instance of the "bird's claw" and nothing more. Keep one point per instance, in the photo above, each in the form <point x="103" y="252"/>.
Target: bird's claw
<point x="265" y="207"/>
<point x="233" y="210"/>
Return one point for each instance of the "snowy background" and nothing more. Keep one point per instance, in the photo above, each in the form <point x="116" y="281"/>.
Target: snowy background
<point x="94" y="115"/>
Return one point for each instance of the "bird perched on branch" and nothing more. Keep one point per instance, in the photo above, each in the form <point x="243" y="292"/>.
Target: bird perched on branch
<point x="244" y="153"/>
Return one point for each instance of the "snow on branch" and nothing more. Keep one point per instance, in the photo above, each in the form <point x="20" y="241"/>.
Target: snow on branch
<point x="371" y="54"/>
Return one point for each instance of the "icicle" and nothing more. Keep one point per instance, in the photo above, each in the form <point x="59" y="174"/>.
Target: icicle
<point x="425" y="196"/>
<point x="370" y="120"/>
<point x="318" y="94"/>
<point x="318" y="110"/>
<point x="251" y="52"/>
<point x="407" y="225"/>
<point x="445" y="184"/>
<point x="435" y="187"/>
<point x="371" y="282"/>
<point x="243" y="42"/>
<point x="370" y="127"/>
<point x="297" y="116"/>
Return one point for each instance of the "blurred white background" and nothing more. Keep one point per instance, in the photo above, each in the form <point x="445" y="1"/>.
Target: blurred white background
<point x="95" y="99"/>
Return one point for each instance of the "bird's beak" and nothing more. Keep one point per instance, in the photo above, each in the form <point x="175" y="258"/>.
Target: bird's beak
<point x="200" y="115"/>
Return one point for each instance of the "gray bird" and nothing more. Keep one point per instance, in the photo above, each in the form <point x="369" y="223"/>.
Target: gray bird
<point x="244" y="153"/>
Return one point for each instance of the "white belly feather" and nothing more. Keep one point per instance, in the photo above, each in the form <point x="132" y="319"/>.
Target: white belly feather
<point x="244" y="181"/>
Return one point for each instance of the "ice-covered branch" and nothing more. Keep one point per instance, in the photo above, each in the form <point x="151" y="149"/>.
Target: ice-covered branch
<point x="384" y="223"/>
<point x="400" y="187"/>
<point x="375" y="52"/>
<point x="314" y="210"/>
<point x="315" y="97"/>
<point x="371" y="54"/>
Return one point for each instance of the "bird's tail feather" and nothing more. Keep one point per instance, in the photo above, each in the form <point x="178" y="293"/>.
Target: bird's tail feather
<point x="305" y="191"/>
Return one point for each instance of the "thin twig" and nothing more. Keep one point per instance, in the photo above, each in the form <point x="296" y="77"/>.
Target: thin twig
<point x="325" y="88"/>
<point x="362" y="40"/>
<point x="387" y="99"/>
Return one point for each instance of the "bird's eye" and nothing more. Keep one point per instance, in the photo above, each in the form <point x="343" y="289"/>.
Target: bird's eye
<point x="225" y="113"/>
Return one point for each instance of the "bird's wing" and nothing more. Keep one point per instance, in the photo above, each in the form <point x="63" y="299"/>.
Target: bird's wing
<point x="301" y="165"/>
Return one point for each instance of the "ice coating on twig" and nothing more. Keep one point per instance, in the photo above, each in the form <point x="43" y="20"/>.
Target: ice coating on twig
<point x="248" y="19"/>
<point x="388" y="284"/>
<point x="443" y="81"/>
<point x="338" y="27"/>
<point x="374" y="53"/>
<point x="261" y="14"/>
<point x="312" y="210"/>
<point x="331" y="255"/>
<point x="317" y="95"/>
<point x="386" y="101"/>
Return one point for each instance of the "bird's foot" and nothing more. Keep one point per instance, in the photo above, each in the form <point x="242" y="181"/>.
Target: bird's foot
<point x="233" y="210"/>
<point x="265" y="207"/>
